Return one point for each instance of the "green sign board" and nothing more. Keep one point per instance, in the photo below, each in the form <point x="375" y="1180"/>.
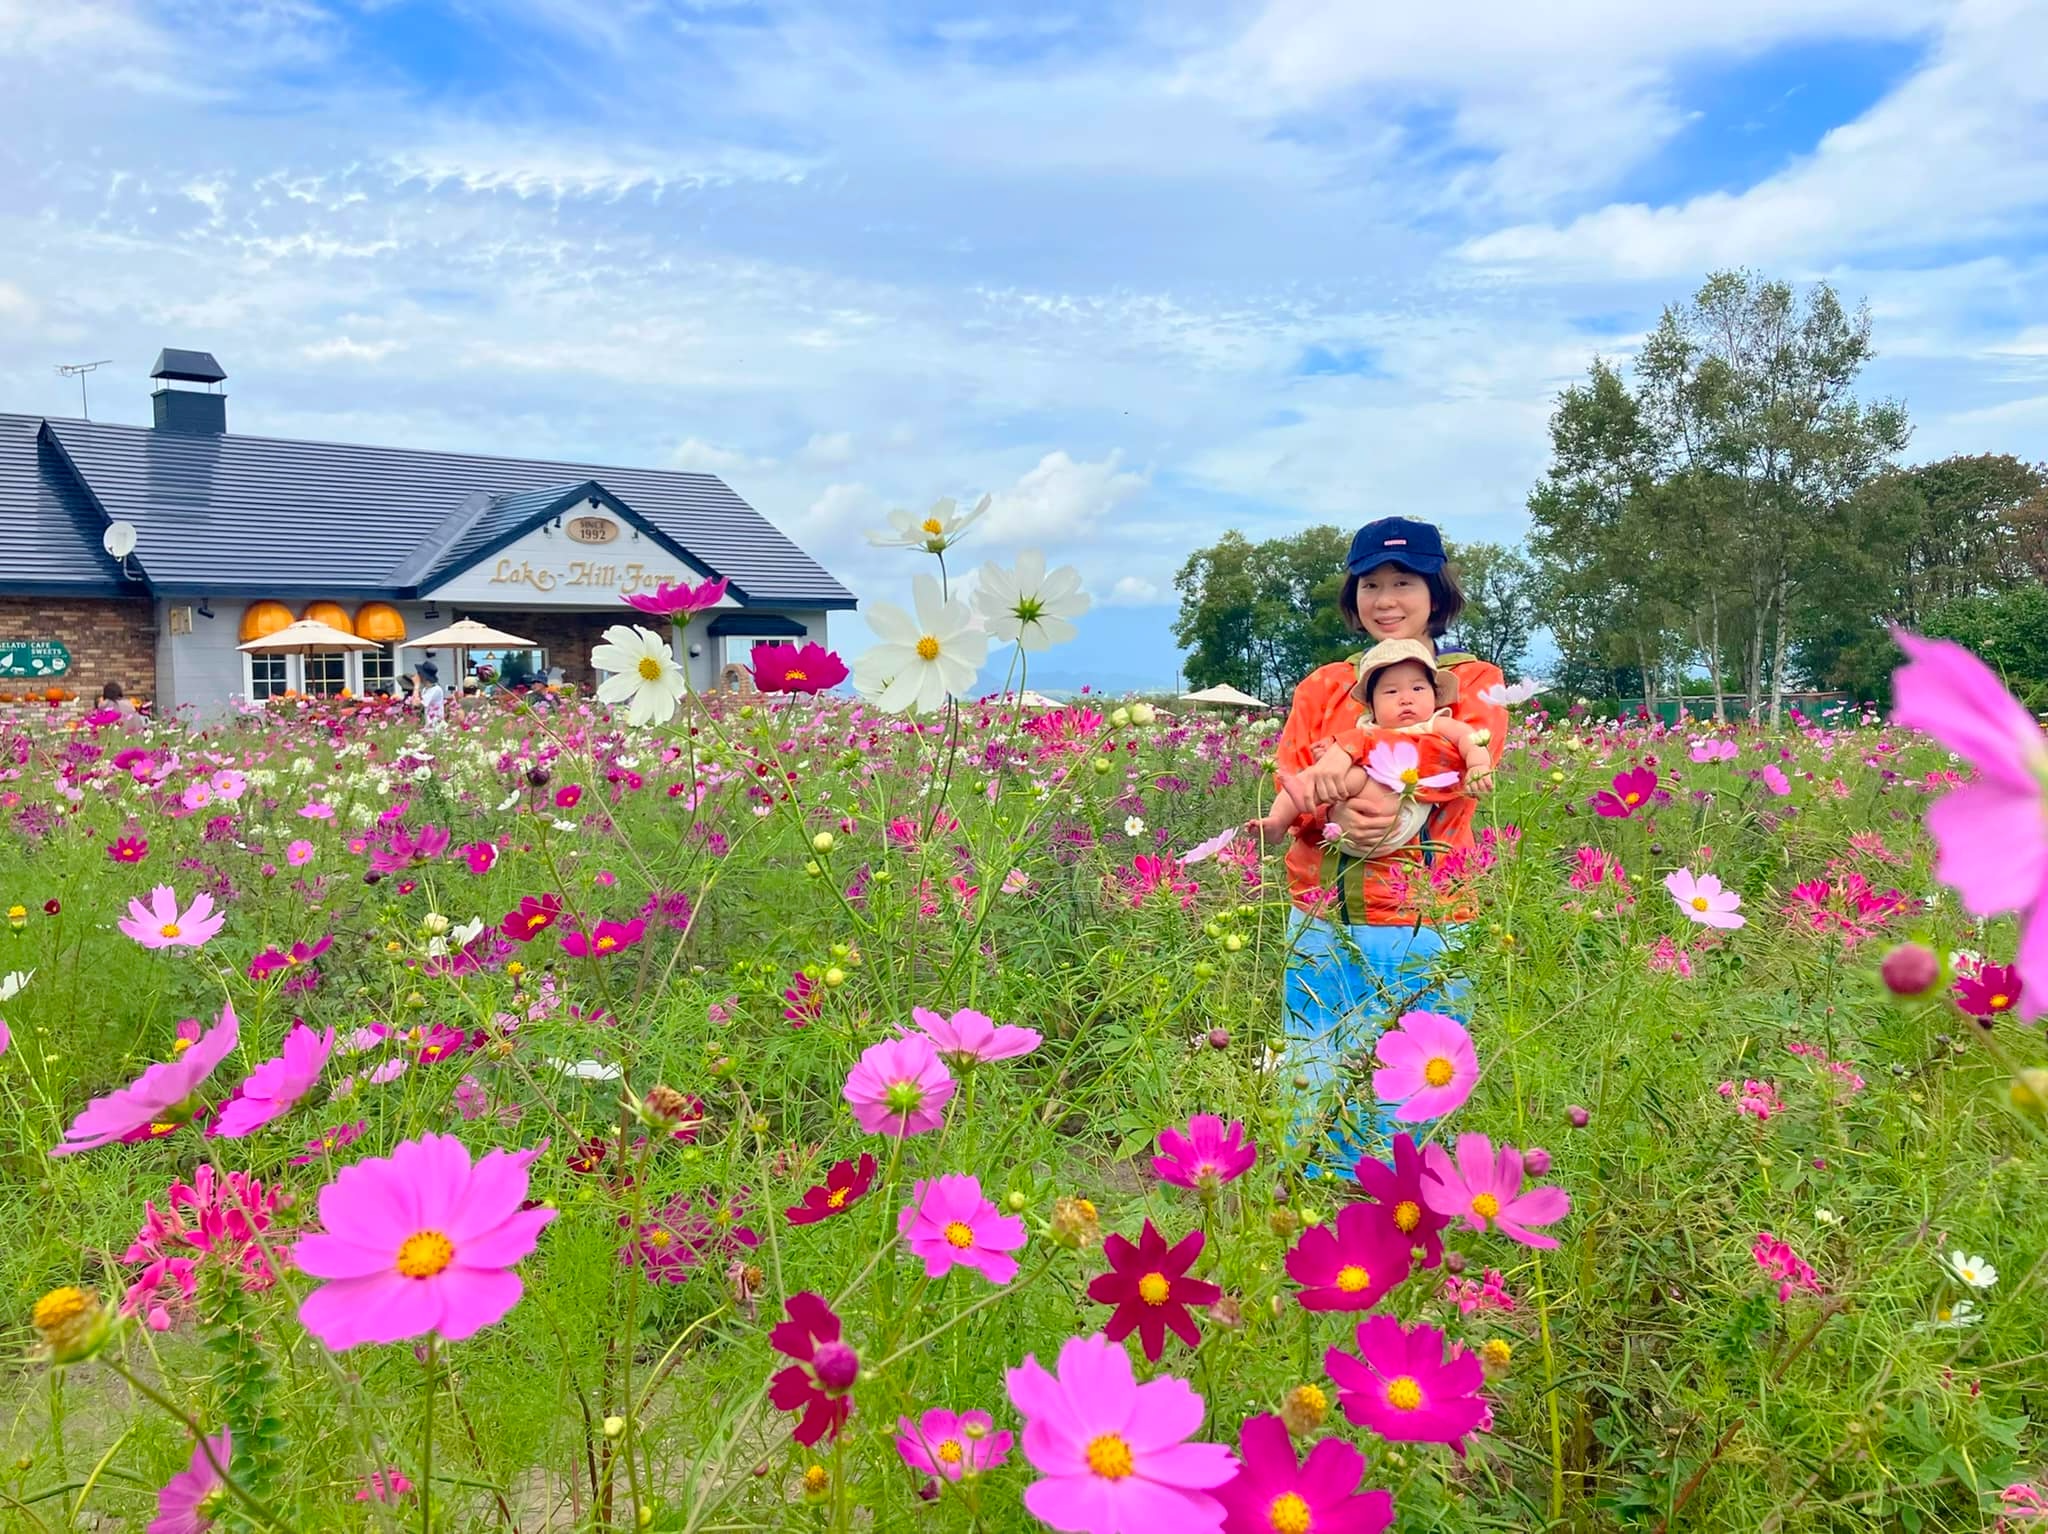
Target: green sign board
<point x="33" y="657"/>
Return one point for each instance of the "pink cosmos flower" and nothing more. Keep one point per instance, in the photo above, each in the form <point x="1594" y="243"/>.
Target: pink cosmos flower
<point x="198" y="794"/>
<point x="951" y="1445"/>
<point x="480" y="856"/>
<point x="677" y="600"/>
<point x="1352" y="1265"/>
<point x="186" y="1504"/>
<point x="1471" y="1295"/>
<point x="384" y="1486"/>
<point x="1703" y="900"/>
<point x="275" y="1087"/>
<point x="1397" y="764"/>
<point x="950" y="1225"/>
<point x="212" y="1221"/>
<point x="417" y="1243"/>
<point x="299" y="853"/>
<point x="1778" y="1259"/>
<point x="824" y="1371"/>
<point x="1632" y="791"/>
<point x="1112" y="1454"/>
<point x="969" y="1036"/>
<point x="608" y="937"/>
<point x="160" y="1095"/>
<point x="1481" y="1189"/>
<point x="1759" y="1099"/>
<point x="323" y="1145"/>
<point x="1429" y="1066"/>
<point x="1990" y="990"/>
<point x="128" y="849"/>
<point x="1271" y="1492"/>
<point x="160" y="924"/>
<point x="804" y="668"/>
<point x="317" y="810"/>
<point x="1396" y="1189"/>
<point x="1402" y="1387"/>
<point x="1992" y="832"/>
<point x="899" y="1087"/>
<point x="1205" y="1157"/>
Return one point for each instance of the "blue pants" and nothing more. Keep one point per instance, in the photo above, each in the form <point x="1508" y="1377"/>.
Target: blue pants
<point x="1345" y="984"/>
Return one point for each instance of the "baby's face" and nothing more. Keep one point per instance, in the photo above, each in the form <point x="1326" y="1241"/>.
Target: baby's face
<point x="1403" y="693"/>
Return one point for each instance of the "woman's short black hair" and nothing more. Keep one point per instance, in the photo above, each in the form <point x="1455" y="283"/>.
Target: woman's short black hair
<point x="113" y="692"/>
<point x="1446" y="600"/>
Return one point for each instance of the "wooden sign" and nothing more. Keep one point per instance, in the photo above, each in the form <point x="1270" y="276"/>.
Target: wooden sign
<point x="34" y="657"/>
<point x="592" y="529"/>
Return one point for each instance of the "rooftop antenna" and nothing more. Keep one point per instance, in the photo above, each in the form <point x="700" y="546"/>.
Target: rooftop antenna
<point x="78" y="370"/>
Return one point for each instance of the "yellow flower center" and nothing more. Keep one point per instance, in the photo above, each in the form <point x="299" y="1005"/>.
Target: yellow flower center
<point x="1351" y="1278"/>
<point x="606" y="943"/>
<point x="816" y="1479"/>
<point x="950" y="1452"/>
<point x="1438" y="1072"/>
<point x="1969" y="1275"/>
<point x="2000" y="1002"/>
<point x="1411" y="777"/>
<point x="424" y="1253"/>
<point x="793" y="674"/>
<point x="1944" y="1314"/>
<point x="659" y="1239"/>
<point x="1631" y="798"/>
<point x="1153" y="1288"/>
<point x="156" y="1131"/>
<point x="169" y="929"/>
<point x="1288" y="1515"/>
<point x="1699" y="903"/>
<point x="59" y="1307"/>
<point x="932" y="525"/>
<point x="1403" y="1394"/>
<point x="1407" y="1215"/>
<point x="327" y="1142"/>
<point x="179" y="1046"/>
<point x="836" y="1199"/>
<point x="1498" y="1351"/>
<point x="649" y="669"/>
<point x="928" y="648"/>
<point x="1485" y="1205"/>
<point x="1110" y="1457"/>
<point x="959" y="1233"/>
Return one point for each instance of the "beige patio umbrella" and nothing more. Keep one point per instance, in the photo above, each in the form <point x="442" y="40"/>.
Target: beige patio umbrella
<point x="304" y="638"/>
<point x="1223" y="693"/>
<point x="464" y="635"/>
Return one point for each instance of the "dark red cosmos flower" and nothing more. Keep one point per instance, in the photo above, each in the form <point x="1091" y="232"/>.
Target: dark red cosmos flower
<point x="589" y="1156"/>
<point x="839" y="1192"/>
<point x="1149" y="1286"/>
<point x="796" y="668"/>
<point x="1396" y="1191"/>
<point x="535" y="915"/>
<point x="824" y="1371"/>
<point x="1994" y="989"/>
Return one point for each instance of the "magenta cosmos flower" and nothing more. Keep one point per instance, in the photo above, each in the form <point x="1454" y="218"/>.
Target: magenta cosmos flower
<point x="1429" y="1066"/>
<point x="1631" y="791"/>
<point x="128" y="849"/>
<point x="677" y="600"/>
<point x="1481" y="1188"/>
<point x="1703" y="900"/>
<point x="899" y="1087"/>
<point x="950" y="1225"/>
<point x="1992" y="832"/>
<point x="1271" y="1494"/>
<point x="192" y="1499"/>
<point x="1149" y="1285"/>
<point x="535" y="915"/>
<point x="1112" y="1454"/>
<point x="969" y="1036"/>
<point x="1351" y="1265"/>
<point x="1994" y="989"/>
<point x="951" y="1445"/>
<point x="1206" y="1156"/>
<point x="608" y="937"/>
<point x="275" y="1087"/>
<point x="1400" y="1385"/>
<point x="804" y="668"/>
<point x="160" y="924"/>
<point x="158" y="1099"/>
<point x="1396" y="1188"/>
<point x="417" y="1243"/>
<point x="824" y="1371"/>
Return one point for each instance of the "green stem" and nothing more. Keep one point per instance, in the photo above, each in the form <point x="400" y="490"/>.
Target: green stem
<point x="427" y="1441"/>
<point x="235" y="1488"/>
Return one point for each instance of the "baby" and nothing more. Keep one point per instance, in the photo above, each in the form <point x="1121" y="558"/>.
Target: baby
<point x="1405" y="698"/>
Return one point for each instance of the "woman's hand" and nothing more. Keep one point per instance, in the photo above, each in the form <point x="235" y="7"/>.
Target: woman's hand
<point x="1366" y="821"/>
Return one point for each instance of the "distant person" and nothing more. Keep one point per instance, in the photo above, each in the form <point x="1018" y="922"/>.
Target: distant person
<point x="115" y="697"/>
<point x="432" y="698"/>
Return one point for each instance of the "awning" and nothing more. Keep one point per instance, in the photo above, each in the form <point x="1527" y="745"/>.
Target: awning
<point x="756" y="626"/>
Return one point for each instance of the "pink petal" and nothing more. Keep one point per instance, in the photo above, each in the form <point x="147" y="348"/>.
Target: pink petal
<point x="386" y="1308"/>
<point x="1993" y="846"/>
<point x="326" y="1256"/>
<point x="497" y="1187"/>
<point x="504" y="1244"/>
<point x="1166" y="1411"/>
<point x="1197" y="1466"/>
<point x="474" y="1298"/>
<point x="1082" y="1504"/>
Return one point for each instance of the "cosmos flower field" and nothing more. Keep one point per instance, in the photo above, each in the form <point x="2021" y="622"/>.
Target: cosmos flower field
<point x="786" y="1114"/>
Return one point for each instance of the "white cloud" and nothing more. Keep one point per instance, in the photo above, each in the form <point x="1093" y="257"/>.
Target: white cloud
<point x="1132" y="591"/>
<point x="709" y="458"/>
<point x="347" y="349"/>
<point x="827" y="450"/>
<point x="1061" y="499"/>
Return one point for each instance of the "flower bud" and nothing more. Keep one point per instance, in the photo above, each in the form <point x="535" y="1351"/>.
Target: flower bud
<point x="817" y="1483"/>
<point x="538" y="777"/>
<point x="1219" y="1038"/>
<point x="1283" y="1223"/>
<point x="1227" y="1313"/>
<point x="1537" y="1161"/>
<point x="1075" y="1224"/>
<point x="1496" y="1354"/>
<point x="1577" y="1117"/>
<point x="835" y="977"/>
<point x="614" y="1426"/>
<point x="822" y="842"/>
<point x="1911" y="969"/>
<point x="71" y="1323"/>
<point x="643" y="1515"/>
<point x="836" y="1365"/>
<point x="1454" y="1262"/>
<point x="434" y="923"/>
<point x="1304" y="1410"/>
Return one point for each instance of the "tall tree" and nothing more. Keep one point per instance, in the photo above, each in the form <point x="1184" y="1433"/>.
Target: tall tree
<point x="1500" y="602"/>
<point x="1261" y="616"/>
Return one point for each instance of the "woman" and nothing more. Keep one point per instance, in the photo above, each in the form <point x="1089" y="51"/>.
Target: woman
<point x="429" y="695"/>
<point x="1366" y="933"/>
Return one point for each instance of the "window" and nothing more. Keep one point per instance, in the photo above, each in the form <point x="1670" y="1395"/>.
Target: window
<point x="380" y="670"/>
<point x="326" y="672"/>
<point x="269" y="676"/>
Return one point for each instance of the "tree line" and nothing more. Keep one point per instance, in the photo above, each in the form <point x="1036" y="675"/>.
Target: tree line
<point x="1727" y="521"/>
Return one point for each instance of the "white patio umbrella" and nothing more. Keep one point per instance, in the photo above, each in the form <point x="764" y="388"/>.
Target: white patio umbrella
<point x="305" y="638"/>
<point x="464" y="635"/>
<point x="1224" y="693"/>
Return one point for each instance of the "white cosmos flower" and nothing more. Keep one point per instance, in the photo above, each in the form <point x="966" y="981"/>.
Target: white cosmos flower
<point x="1971" y="1270"/>
<point x="468" y="932"/>
<point x="923" y="658"/>
<point x="1028" y="606"/>
<point x="644" y="675"/>
<point x="1134" y="825"/>
<point x="934" y="532"/>
<point x="1952" y="1318"/>
<point x="12" y="982"/>
<point x="585" y="1070"/>
<point x="1508" y="694"/>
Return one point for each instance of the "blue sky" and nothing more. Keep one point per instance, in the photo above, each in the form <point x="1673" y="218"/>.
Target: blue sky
<point x="1144" y="271"/>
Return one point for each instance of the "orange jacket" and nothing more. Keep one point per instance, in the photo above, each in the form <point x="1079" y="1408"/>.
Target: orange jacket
<point x="1391" y="890"/>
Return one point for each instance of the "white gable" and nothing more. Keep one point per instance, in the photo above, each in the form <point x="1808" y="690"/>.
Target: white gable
<point x="589" y="561"/>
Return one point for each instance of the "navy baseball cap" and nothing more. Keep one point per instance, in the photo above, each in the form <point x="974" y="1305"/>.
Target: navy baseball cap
<point x="1412" y="545"/>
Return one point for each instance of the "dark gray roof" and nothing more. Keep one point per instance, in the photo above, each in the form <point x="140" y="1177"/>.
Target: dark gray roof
<point x="221" y="513"/>
<point x="187" y="367"/>
<point x="49" y="531"/>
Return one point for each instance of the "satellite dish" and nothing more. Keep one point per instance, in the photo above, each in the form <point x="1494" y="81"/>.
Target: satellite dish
<point x="119" y="539"/>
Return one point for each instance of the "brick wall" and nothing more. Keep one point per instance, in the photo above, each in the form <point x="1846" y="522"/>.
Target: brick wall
<point x="111" y="640"/>
<point x="567" y="636"/>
